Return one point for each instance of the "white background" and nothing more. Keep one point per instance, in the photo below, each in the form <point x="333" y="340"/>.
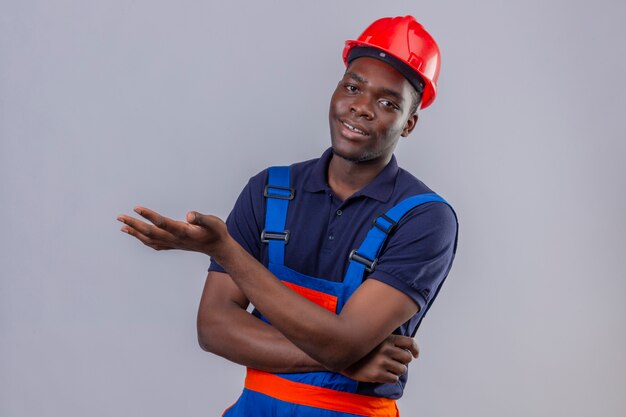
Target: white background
<point x="174" y="105"/>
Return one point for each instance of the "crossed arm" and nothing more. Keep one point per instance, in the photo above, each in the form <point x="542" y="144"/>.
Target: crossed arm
<point x="304" y="337"/>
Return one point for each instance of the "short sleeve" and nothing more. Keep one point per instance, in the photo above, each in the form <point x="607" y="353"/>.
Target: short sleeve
<point x="419" y="254"/>
<point x="245" y="221"/>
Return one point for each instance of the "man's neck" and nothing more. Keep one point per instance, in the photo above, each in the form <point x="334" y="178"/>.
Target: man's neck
<point x="348" y="177"/>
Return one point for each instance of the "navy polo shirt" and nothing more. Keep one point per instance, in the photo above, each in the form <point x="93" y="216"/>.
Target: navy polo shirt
<point x="324" y="230"/>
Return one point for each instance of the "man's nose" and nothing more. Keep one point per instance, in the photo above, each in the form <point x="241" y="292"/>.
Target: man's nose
<point x="362" y="107"/>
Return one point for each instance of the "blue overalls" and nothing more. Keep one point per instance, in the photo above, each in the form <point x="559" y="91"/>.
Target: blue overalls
<point x="316" y="394"/>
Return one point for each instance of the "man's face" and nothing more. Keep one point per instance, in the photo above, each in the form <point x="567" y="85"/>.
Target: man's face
<point x="369" y="111"/>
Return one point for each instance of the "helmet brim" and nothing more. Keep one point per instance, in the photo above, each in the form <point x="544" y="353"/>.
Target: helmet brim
<point x="430" y="89"/>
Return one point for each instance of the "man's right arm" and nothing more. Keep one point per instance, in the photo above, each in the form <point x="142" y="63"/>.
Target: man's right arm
<point x="226" y="329"/>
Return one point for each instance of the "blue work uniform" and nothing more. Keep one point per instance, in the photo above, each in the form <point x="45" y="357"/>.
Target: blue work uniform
<point x="312" y="236"/>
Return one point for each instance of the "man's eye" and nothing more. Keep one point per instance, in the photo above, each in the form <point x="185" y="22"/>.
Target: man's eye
<point x="389" y="104"/>
<point x="351" y="88"/>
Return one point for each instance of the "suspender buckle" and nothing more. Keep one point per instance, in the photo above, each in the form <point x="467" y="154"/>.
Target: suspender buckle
<point x="276" y="191"/>
<point x="267" y="236"/>
<point x="369" y="264"/>
<point x="382" y="227"/>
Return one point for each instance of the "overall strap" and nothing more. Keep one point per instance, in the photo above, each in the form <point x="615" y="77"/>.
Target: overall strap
<point x="277" y="194"/>
<point x="365" y="258"/>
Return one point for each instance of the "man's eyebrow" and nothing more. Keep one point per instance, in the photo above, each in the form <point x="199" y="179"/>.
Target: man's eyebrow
<point x="357" y="77"/>
<point x="384" y="90"/>
<point x="393" y="93"/>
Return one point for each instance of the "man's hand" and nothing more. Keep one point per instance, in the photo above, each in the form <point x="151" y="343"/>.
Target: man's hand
<point x="200" y="233"/>
<point x="387" y="362"/>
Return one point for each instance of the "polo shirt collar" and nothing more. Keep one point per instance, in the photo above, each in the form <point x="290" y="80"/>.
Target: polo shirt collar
<point x="380" y="188"/>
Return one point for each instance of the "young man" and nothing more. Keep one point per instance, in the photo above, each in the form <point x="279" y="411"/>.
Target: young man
<point x="343" y="255"/>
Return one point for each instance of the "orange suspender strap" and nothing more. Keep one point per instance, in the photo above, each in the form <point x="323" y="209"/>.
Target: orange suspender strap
<point x="329" y="302"/>
<point x="324" y="398"/>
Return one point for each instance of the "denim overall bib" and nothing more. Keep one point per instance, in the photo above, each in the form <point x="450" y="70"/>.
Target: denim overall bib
<point x="316" y="394"/>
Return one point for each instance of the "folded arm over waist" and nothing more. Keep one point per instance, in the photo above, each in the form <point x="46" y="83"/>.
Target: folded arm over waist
<point x="335" y="341"/>
<point x="228" y="330"/>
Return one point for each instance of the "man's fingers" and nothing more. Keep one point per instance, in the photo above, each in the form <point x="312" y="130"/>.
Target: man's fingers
<point x="193" y="217"/>
<point x="145" y="229"/>
<point x="205" y="220"/>
<point x="407" y="343"/>
<point x="413" y="348"/>
<point x="143" y="238"/>
<point x="155" y="234"/>
<point x="171" y="228"/>
<point x="401" y="355"/>
<point x="397" y="368"/>
<point x="212" y="224"/>
<point x="162" y="222"/>
<point x="387" y="378"/>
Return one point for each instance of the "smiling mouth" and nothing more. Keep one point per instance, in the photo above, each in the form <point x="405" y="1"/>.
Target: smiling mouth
<point x="354" y="129"/>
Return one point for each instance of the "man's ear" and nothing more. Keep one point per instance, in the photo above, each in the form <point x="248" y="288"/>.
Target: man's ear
<point x="410" y="125"/>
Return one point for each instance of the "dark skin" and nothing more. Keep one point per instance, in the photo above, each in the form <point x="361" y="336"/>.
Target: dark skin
<point x="369" y="111"/>
<point x="381" y="113"/>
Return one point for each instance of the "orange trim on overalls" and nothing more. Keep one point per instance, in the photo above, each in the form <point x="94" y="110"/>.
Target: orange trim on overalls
<point x="324" y="398"/>
<point x="329" y="302"/>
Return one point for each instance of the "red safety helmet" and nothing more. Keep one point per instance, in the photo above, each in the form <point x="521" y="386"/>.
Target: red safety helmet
<point x="407" y="40"/>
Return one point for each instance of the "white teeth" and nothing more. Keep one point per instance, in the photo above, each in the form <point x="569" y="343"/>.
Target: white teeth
<point x="352" y="128"/>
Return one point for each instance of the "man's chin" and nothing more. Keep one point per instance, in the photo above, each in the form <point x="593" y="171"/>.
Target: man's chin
<point x="347" y="157"/>
<point x="361" y="158"/>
